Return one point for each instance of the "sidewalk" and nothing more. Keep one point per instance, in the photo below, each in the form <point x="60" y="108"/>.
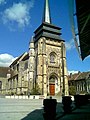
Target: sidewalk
<point x="82" y="113"/>
<point x="25" y="109"/>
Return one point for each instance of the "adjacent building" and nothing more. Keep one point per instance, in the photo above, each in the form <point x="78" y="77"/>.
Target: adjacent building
<point x="81" y="82"/>
<point x="4" y="73"/>
<point x="18" y="80"/>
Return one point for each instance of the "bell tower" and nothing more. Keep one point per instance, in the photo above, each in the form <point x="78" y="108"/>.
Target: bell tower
<point x="50" y="71"/>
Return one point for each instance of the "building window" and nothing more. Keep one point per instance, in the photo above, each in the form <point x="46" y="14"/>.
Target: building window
<point x="52" y="58"/>
<point x="10" y="84"/>
<point x="17" y="67"/>
<point x="26" y="66"/>
<point x="0" y="85"/>
<point x="52" y="80"/>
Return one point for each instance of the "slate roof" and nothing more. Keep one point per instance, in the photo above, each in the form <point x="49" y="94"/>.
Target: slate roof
<point x="4" y="71"/>
<point x="78" y="76"/>
<point x="24" y="56"/>
<point x="15" y="61"/>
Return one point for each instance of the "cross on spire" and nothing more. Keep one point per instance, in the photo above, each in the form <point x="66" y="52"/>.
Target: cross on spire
<point x="46" y="15"/>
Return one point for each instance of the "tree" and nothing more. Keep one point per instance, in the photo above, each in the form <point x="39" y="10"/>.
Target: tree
<point x="36" y="90"/>
<point x="72" y="90"/>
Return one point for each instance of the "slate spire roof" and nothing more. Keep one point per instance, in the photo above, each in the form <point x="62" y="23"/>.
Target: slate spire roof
<point x="46" y="15"/>
<point x="47" y="29"/>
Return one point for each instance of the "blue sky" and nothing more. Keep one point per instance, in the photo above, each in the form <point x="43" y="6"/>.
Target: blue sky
<point x="20" y="18"/>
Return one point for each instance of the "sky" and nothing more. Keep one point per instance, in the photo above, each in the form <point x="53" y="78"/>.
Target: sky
<point x="20" y="18"/>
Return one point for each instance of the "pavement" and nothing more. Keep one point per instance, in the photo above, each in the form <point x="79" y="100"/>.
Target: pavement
<point x="81" y="113"/>
<point x="17" y="109"/>
<point x="26" y="109"/>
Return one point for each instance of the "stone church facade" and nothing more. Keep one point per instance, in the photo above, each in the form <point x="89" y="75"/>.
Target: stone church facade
<point x="44" y="64"/>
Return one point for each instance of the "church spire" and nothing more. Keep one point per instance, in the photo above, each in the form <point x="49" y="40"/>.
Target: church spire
<point x="47" y="29"/>
<point x="46" y="15"/>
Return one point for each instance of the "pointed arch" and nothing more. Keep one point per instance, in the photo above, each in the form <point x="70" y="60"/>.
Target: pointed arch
<point x="53" y="79"/>
<point x="53" y="56"/>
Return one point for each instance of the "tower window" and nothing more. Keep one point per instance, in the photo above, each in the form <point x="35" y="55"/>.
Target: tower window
<point x="52" y="58"/>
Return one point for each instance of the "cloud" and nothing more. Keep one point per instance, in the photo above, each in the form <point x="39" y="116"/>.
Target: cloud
<point x="18" y="14"/>
<point x="72" y="71"/>
<point x="2" y="1"/>
<point x="6" y="59"/>
<point x="70" y="45"/>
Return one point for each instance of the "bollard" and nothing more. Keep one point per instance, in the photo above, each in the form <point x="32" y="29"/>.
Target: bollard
<point x="67" y="102"/>
<point x="87" y="97"/>
<point x="49" y="109"/>
<point x="80" y="100"/>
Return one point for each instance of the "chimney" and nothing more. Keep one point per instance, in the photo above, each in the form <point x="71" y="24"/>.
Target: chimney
<point x="70" y="75"/>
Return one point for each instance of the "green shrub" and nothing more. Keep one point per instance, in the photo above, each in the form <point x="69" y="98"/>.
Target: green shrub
<point x="72" y="90"/>
<point x="36" y="90"/>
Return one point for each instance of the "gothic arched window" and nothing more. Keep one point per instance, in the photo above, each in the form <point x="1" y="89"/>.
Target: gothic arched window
<point x="52" y="58"/>
<point x="53" y="79"/>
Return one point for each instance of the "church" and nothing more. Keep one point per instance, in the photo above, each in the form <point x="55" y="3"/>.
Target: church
<point x="44" y="65"/>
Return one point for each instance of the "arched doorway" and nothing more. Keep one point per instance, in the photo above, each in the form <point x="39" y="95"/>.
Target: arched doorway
<point x="52" y="81"/>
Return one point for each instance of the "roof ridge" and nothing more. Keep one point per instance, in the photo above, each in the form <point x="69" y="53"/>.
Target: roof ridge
<point x="77" y="75"/>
